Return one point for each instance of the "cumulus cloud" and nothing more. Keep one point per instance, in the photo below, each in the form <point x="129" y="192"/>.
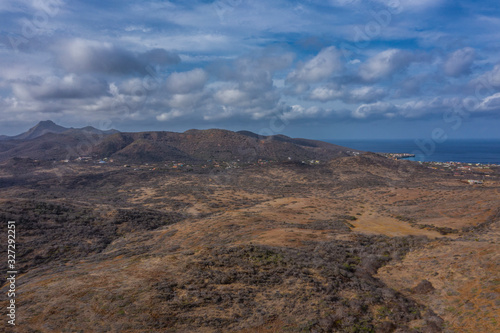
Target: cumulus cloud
<point x="385" y="64"/>
<point x="490" y="103"/>
<point x="413" y="109"/>
<point x="53" y="87"/>
<point x="90" y="56"/>
<point x="185" y="82"/>
<point x="300" y="112"/>
<point x="375" y="109"/>
<point x="489" y="79"/>
<point x="240" y="88"/>
<point x="185" y="101"/>
<point x="230" y="96"/>
<point x="326" y="93"/>
<point x="104" y="72"/>
<point x="256" y="104"/>
<point x="166" y="116"/>
<point x="459" y="62"/>
<point x="422" y="107"/>
<point x="326" y="63"/>
<point x="414" y="85"/>
<point x="425" y="107"/>
<point x="364" y="94"/>
<point x="245" y="86"/>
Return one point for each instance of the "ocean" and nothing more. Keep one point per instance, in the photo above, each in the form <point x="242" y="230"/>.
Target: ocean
<point x="468" y="151"/>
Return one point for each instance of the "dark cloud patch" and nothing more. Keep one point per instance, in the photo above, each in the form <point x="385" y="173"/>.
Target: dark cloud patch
<point x="160" y="57"/>
<point x="90" y="56"/>
<point x="69" y="86"/>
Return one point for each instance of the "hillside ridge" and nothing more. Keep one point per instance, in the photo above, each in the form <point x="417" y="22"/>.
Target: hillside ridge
<point x="49" y="141"/>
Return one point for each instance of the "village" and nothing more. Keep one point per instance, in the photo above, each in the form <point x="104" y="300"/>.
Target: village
<point x="469" y="173"/>
<point x="181" y="165"/>
<point x="472" y="173"/>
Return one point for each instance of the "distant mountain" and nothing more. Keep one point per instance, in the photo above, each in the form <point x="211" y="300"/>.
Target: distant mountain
<point x="214" y="144"/>
<point x="39" y="129"/>
<point x="48" y="141"/>
<point x="48" y="126"/>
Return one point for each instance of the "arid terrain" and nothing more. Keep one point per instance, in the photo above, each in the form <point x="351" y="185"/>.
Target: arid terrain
<point x="357" y="244"/>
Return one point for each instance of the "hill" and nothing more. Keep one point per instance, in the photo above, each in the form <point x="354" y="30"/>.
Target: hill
<point x="48" y="141"/>
<point x="48" y="126"/>
<point x="43" y="127"/>
<point x="214" y="144"/>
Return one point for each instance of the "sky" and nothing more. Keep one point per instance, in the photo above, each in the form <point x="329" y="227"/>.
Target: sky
<point x="330" y="69"/>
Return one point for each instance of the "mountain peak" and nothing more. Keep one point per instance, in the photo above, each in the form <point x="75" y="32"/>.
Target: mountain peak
<point x="46" y="122"/>
<point x="43" y="127"/>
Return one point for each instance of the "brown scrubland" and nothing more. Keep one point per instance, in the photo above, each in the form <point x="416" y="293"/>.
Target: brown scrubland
<point x="357" y="244"/>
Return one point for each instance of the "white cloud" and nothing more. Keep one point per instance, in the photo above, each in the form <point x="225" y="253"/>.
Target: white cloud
<point x="170" y="115"/>
<point x="459" y="62"/>
<point x="410" y="109"/>
<point x="490" y="103"/>
<point x="385" y="64"/>
<point x="325" y="94"/>
<point x="230" y="96"/>
<point x="53" y="87"/>
<point x="489" y="79"/>
<point x="364" y="94"/>
<point x="326" y="63"/>
<point x="375" y="109"/>
<point x="300" y="112"/>
<point x="185" y="82"/>
<point x="185" y="101"/>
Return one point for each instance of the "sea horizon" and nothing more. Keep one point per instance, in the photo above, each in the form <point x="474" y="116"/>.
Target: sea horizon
<point x="484" y="151"/>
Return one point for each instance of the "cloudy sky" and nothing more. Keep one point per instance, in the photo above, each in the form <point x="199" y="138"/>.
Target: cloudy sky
<point x="318" y="69"/>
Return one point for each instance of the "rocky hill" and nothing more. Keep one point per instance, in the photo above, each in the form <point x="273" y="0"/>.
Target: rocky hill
<point x="48" y="141"/>
<point x="214" y="144"/>
<point x="48" y="126"/>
